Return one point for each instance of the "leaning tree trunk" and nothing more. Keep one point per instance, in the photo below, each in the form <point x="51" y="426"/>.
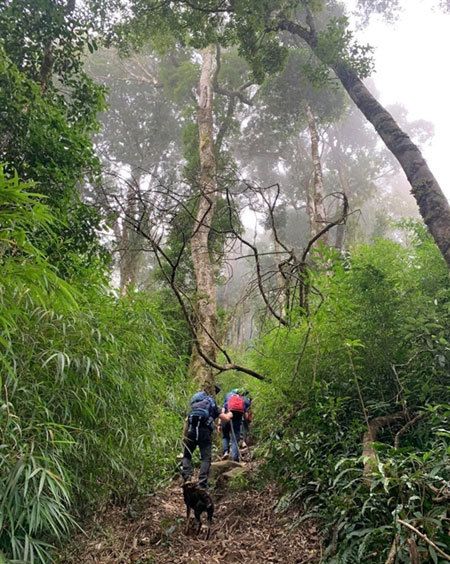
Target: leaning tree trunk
<point x="316" y="208"/>
<point x="206" y="303"/>
<point x="433" y="205"/>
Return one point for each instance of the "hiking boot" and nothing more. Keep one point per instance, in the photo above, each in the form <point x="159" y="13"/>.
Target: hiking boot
<point x="225" y="456"/>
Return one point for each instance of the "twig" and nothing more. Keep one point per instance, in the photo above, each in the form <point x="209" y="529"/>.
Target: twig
<point x="441" y="494"/>
<point x="425" y="538"/>
<point x="234" y="437"/>
<point x="300" y="356"/>
<point x="406" y="427"/>
<point x="394" y="370"/>
<point x="393" y="551"/>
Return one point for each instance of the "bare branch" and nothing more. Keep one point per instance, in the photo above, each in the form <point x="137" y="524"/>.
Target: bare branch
<point x="425" y="538"/>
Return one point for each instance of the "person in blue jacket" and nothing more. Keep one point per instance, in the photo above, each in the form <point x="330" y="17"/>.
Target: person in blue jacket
<point x="198" y="433"/>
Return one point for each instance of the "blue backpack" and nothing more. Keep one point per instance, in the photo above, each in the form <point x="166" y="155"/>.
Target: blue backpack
<point x="200" y="408"/>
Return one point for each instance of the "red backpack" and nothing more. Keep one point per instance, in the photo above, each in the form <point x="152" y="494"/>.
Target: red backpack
<point x="236" y="403"/>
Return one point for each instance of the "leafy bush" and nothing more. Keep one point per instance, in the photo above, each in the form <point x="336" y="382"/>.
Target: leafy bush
<point x="92" y="390"/>
<point x="379" y="345"/>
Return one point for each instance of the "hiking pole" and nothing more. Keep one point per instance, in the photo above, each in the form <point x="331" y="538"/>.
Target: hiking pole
<point x="234" y="437"/>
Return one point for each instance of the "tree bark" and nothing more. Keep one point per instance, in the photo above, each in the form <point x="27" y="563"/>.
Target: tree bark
<point x="281" y="287"/>
<point x="48" y="60"/>
<point x="129" y="255"/>
<point x="316" y="208"/>
<point x="206" y="304"/>
<point x="433" y="205"/>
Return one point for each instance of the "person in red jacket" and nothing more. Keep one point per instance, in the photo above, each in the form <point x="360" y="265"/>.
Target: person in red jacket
<point x="235" y="404"/>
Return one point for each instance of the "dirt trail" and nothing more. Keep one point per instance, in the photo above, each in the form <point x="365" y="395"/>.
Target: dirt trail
<point x="246" y="529"/>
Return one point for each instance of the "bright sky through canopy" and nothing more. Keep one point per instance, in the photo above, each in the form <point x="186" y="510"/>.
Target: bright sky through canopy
<point x="411" y="69"/>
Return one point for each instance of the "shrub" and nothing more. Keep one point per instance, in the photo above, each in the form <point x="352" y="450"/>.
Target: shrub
<point x="92" y="390"/>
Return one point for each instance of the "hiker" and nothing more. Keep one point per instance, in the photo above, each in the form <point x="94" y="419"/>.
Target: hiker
<point x="234" y="404"/>
<point x="224" y="429"/>
<point x="198" y="430"/>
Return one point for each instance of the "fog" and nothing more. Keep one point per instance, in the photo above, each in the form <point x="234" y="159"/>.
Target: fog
<point x="410" y="68"/>
<point x="271" y="171"/>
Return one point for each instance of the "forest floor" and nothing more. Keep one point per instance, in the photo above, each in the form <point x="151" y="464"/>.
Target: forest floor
<point x="246" y="529"/>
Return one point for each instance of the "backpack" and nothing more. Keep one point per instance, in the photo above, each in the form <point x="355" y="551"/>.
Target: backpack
<point x="236" y="403"/>
<point x="200" y="407"/>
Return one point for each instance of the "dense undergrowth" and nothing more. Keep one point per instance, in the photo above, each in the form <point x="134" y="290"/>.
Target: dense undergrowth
<point x="378" y="345"/>
<point x="93" y="393"/>
<point x="92" y="389"/>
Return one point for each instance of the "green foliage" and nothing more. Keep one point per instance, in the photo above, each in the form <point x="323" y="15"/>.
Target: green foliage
<point x="239" y="483"/>
<point x="389" y="9"/>
<point x="49" y="111"/>
<point x="335" y="45"/>
<point x="385" y="325"/>
<point x="287" y="94"/>
<point x="180" y="80"/>
<point x="92" y="396"/>
<point x="251" y="25"/>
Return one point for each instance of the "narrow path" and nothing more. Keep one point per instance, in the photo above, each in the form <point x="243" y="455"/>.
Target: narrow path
<point x="246" y="529"/>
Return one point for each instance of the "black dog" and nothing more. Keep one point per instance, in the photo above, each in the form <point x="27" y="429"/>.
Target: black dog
<point x="199" y="500"/>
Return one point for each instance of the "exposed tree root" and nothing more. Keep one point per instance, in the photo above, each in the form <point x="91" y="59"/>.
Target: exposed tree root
<point x="370" y="437"/>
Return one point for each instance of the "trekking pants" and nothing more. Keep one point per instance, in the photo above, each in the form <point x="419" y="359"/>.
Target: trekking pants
<point x="227" y="435"/>
<point x="198" y="437"/>
<point x="226" y="430"/>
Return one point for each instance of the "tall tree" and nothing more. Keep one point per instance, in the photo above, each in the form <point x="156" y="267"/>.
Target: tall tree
<point x="316" y="195"/>
<point x="206" y="301"/>
<point x="139" y="144"/>
<point x="256" y="25"/>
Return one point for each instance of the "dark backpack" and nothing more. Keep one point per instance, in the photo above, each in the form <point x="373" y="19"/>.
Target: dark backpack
<point x="236" y="403"/>
<point x="200" y="408"/>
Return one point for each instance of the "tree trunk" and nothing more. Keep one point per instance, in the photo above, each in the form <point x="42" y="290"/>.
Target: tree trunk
<point x="129" y="239"/>
<point x="433" y="205"/>
<point x="206" y="304"/>
<point x="48" y="60"/>
<point x="316" y="208"/>
<point x="281" y="287"/>
<point x="339" y="155"/>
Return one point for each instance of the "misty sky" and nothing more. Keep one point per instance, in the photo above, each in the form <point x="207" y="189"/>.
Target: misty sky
<point x="411" y="69"/>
